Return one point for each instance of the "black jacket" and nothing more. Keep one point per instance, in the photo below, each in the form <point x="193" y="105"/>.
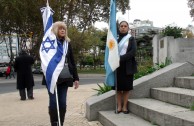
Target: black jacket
<point x="71" y="64"/>
<point x="23" y="68"/>
<point x="129" y="57"/>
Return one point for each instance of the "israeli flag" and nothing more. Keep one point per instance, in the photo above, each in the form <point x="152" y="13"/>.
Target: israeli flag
<point x="111" y="54"/>
<point x="51" y="51"/>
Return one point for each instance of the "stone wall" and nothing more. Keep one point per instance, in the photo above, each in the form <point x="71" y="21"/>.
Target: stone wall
<point x="177" y="50"/>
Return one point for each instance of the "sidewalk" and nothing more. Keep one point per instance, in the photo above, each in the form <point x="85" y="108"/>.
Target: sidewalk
<point x="14" y="112"/>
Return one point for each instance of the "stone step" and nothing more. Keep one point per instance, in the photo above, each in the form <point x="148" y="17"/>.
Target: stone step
<point x="178" y="96"/>
<point x="161" y="113"/>
<point x="184" y="82"/>
<point x="109" y="118"/>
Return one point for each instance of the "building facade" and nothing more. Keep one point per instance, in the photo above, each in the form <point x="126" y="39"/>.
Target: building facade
<point x="140" y="28"/>
<point x="5" y="48"/>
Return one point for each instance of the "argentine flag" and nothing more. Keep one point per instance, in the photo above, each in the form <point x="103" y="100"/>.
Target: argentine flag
<point x="51" y="51"/>
<point x="111" y="54"/>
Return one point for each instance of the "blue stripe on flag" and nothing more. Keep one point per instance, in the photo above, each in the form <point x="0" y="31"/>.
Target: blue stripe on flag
<point x="53" y="64"/>
<point x="49" y="24"/>
<point x="110" y="75"/>
<point x="113" y="18"/>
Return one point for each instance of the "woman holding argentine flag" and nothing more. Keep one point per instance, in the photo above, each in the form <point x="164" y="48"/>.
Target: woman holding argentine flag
<point x="127" y="68"/>
<point x="59" y="28"/>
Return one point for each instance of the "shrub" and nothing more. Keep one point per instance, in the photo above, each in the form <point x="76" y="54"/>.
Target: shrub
<point x="103" y="89"/>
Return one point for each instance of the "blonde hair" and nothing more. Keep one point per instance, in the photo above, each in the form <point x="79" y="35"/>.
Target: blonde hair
<point x="56" y="27"/>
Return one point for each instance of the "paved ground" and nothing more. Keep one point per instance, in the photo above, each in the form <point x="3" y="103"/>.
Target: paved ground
<point x="14" y="112"/>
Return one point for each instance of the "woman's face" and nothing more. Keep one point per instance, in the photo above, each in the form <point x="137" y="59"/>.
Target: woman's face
<point x="123" y="27"/>
<point x="61" y="32"/>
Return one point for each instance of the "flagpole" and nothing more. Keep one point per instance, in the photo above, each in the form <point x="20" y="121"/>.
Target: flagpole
<point x="116" y="106"/>
<point x="59" y="121"/>
<point x="115" y="73"/>
<point x="47" y="3"/>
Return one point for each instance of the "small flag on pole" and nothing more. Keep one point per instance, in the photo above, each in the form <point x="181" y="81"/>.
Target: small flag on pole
<point x="51" y="53"/>
<point x="111" y="54"/>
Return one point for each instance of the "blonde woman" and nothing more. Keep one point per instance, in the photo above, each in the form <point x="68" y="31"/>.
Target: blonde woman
<point x="60" y="30"/>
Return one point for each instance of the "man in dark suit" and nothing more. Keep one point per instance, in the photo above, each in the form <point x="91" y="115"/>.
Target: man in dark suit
<point x="25" y="80"/>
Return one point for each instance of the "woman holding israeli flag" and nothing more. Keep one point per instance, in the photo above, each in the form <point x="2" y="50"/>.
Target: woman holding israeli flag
<point x="58" y="66"/>
<point x="64" y="49"/>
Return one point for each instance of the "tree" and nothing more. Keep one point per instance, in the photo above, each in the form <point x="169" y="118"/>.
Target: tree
<point x="191" y="5"/>
<point x="174" y="31"/>
<point x="84" y="13"/>
<point x="90" y="46"/>
<point x="95" y="44"/>
<point x="188" y="34"/>
<point x="24" y="16"/>
<point x="20" y="17"/>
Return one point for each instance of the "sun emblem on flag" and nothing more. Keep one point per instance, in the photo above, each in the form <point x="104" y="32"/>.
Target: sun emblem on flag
<point x="111" y="44"/>
<point x="48" y="44"/>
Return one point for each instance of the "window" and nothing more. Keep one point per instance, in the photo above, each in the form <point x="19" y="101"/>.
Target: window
<point x="161" y="43"/>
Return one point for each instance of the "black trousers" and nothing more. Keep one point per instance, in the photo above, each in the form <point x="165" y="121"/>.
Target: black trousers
<point x="23" y="93"/>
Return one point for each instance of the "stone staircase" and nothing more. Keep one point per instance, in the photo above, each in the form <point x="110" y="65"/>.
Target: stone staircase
<point x="166" y="106"/>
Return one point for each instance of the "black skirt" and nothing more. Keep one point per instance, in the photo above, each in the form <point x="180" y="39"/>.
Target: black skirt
<point x="124" y="81"/>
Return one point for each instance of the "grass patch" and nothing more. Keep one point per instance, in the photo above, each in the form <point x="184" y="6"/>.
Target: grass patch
<point x="153" y="123"/>
<point x="192" y="106"/>
<point x="92" y="71"/>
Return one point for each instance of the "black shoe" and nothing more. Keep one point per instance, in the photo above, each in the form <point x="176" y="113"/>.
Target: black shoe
<point x="117" y="112"/>
<point x="31" y="98"/>
<point x="126" y="112"/>
<point x="22" y="99"/>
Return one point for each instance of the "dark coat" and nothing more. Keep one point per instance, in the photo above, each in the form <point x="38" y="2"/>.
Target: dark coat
<point x="71" y="64"/>
<point x="22" y="66"/>
<point x="129" y="57"/>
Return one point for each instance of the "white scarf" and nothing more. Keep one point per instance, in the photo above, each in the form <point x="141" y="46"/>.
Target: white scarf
<point x="123" y="44"/>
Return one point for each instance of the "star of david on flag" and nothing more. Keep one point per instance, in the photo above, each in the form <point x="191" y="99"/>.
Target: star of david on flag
<point x="48" y="44"/>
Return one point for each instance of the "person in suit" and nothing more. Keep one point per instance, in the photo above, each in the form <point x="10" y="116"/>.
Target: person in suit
<point x="60" y="30"/>
<point x="25" y="80"/>
<point x="127" y="69"/>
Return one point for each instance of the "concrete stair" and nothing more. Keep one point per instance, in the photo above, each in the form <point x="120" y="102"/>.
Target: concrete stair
<point x="109" y="118"/>
<point x="174" y="95"/>
<point x="185" y="82"/>
<point x="167" y="106"/>
<point x="161" y="113"/>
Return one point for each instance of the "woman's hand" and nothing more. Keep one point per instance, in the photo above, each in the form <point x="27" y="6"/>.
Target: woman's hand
<point x="76" y="84"/>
